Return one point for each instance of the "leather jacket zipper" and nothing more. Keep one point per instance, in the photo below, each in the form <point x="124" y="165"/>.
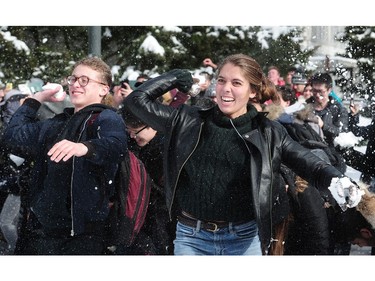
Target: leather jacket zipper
<point x="179" y="172"/>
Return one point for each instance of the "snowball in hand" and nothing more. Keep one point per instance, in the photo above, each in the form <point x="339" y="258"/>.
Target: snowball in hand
<point x="59" y="94"/>
<point x="345" y="192"/>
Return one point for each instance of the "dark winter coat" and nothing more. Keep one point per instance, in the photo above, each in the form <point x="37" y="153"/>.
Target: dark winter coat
<point x="12" y="174"/>
<point x="75" y="193"/>
<point x="366" y="163"/>
<point x="157" y="233"/>
<point x="335" y="118"/>
<point x="269" y="144"/>
<point x="308" y="232"/>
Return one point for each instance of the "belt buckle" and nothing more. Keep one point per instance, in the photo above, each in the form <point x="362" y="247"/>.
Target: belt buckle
<point x="214" y="225"/>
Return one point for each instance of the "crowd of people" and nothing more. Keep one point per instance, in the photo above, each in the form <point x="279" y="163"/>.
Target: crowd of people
<point x="243" y="163"/>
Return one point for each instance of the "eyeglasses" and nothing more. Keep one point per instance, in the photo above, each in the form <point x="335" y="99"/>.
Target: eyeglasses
<point x="137" y="132"/>
<point x="82" y="80"/>
<point x="319" y="92"/>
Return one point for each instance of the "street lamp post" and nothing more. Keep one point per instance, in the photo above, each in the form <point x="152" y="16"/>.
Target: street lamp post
<point x="95" y="41"/>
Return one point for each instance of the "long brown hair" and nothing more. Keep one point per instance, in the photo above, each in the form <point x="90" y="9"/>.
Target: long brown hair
<point x="259" y="83"/>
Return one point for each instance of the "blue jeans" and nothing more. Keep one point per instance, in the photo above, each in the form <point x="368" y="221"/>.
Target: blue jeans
<point x="242" y="239"/>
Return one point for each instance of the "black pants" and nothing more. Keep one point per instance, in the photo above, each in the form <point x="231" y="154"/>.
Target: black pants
<point x="38" y="244"/>
<point x="33" y="240"/>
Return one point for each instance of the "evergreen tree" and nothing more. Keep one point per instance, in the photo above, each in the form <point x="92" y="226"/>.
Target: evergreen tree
<point x="50" y="51"/>
<point x="361" y="46"/>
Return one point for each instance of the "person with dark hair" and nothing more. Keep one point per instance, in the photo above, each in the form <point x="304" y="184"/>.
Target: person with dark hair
<point x="305" y="231"/>
<point x="221" y="165"/>
<point x="287" y="96"/>
<point x="75" y="156"/>
<point x="119" y="92"/>
<point x="334" y="117"/>
<point x="146" y="143"/>
<point x="352" y="227"/>
<point x="357" y="225"/>
<point x="141" y="79"/>
<point x="288" y="77"/>
<point x="333" y="120"/>
<point x="157" y="234"/>
<point x="307" y="93"/>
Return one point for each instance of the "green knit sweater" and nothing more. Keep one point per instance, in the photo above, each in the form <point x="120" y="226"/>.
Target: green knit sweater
<point x="215" y="182"/>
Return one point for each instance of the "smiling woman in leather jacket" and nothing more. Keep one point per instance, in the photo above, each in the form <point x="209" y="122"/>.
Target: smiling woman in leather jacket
<point x="222" y="164"/>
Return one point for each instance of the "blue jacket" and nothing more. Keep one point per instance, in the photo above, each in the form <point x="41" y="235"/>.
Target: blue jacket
<point x="71" y="194"/>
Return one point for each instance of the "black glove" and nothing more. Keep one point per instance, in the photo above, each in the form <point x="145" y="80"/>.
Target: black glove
<point x="184" y="79"/>
<point x="156" y="87"/>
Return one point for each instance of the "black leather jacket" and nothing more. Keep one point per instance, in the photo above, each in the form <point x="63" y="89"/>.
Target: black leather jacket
<point x="268" y="142"/>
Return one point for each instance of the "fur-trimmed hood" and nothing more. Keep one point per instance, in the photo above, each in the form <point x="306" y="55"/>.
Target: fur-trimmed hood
<point x="367" y="205"/>
<point x="306" y="114"/>
<point x="274" y="111"/>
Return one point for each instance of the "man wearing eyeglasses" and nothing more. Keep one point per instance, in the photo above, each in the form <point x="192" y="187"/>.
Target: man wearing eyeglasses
<point x="333" y="119"/>
<point x="333" y="115"/>
<point x="76" y="154"/>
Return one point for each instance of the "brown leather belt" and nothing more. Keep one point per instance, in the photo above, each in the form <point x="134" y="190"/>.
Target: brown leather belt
<point x="212" y="226"/>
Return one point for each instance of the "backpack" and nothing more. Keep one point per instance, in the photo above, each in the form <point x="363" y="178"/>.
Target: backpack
<point x="130" y="202"/>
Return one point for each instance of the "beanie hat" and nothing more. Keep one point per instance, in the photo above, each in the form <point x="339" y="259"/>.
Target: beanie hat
<point x="299" y="79"/>
<point x="13" y="94"/>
